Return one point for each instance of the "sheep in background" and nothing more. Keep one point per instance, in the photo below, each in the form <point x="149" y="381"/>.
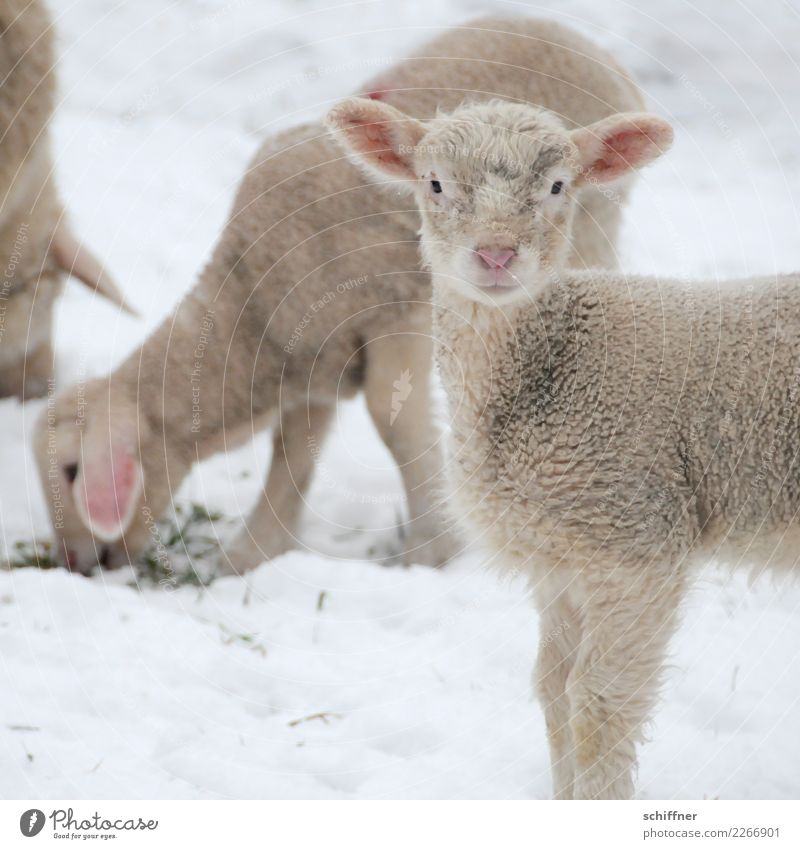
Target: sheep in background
<point x="37" y="245"/>
<point x="609" y="432"/>
<point x="305" y="229"/>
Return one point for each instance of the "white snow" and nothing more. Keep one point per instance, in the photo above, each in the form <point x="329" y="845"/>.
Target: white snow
<point x="407" y="682"/>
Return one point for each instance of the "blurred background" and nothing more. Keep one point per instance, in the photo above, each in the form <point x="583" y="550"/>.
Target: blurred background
<point x="323" y="674"/>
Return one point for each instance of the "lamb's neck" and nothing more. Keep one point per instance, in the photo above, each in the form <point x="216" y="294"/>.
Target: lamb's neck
<point x="475" y="345"/>
<point x="187" y="368"/>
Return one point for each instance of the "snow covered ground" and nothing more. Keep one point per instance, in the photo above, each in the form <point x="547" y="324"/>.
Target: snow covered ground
<point x="326" y="675"/>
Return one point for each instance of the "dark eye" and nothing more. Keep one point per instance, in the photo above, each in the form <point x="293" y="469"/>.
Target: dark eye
<point x="436" y="186"/>
<point x="556" y="188"/>
<point x="71" y="472"/>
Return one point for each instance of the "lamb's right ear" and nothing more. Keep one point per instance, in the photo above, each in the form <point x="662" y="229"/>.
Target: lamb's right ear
<point x="106" y="488"/>
<point x="382" y="137"/>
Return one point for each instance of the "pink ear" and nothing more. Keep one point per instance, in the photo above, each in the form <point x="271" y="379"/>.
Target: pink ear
<point x="382" y="136"/>
<point x="617" y="145"/>
<point x="107" y="491"/>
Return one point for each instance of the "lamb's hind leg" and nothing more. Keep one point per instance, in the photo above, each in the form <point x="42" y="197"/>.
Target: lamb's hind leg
<point x="397" y="389"/>
<point x="559" y="638"/>
<point x="627" y="618"/>
<point x="271" y="525"/>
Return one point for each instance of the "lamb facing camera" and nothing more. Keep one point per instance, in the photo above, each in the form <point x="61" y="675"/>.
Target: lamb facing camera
<point x="608" y="432"/>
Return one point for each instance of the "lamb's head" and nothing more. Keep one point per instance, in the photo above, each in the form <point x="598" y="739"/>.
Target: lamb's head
<point x="92" y="477"/>
<point x="497" y="183"/>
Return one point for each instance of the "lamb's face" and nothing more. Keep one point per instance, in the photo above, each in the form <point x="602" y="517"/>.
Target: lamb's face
<point x="496" y="183"/>
<point x="91" y="479"/>
<point x="497" y="199"/>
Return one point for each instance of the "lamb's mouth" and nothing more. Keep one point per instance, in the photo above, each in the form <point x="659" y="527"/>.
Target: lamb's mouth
<point x="499" y="283"/>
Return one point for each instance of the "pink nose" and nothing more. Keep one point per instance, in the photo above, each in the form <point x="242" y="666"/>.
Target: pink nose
<point x="495" y="259"/>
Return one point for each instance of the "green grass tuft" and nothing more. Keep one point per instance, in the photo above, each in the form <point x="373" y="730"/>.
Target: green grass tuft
<point x="32" y="554"/>
<point x="183" y="551"/>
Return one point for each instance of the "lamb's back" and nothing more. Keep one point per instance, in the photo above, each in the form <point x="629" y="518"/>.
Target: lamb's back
<point x="317" y="243"/>
<point x="517" y="58"/>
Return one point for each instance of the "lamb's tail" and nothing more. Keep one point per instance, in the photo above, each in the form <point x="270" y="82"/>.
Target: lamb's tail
<point x="77" y="260"/>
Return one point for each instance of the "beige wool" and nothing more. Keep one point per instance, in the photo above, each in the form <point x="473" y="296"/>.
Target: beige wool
<point x="35" y="242"/>
<point x="621" y="430"/>
<point x="306" y="228"/>
<point x="608" y="432"/>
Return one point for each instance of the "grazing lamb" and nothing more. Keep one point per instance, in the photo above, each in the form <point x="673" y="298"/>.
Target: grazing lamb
<point x="37" y="245"/>
<point x="608" y="432"/>
<point x="313" y="292"/>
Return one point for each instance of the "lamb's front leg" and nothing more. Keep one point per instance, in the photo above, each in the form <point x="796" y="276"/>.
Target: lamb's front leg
<point x="272" y="523"/>
<point x="397" y="390"/>
<point x="627" y="619"/>
<point x="559" y="638"/>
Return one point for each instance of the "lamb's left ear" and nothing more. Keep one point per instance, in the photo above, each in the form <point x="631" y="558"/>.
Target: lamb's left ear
<point x="382" y="137"/>
<point x="616" y="145"/>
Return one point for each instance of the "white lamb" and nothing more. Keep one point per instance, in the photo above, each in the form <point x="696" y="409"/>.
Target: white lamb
<point x="608" y="432"/>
